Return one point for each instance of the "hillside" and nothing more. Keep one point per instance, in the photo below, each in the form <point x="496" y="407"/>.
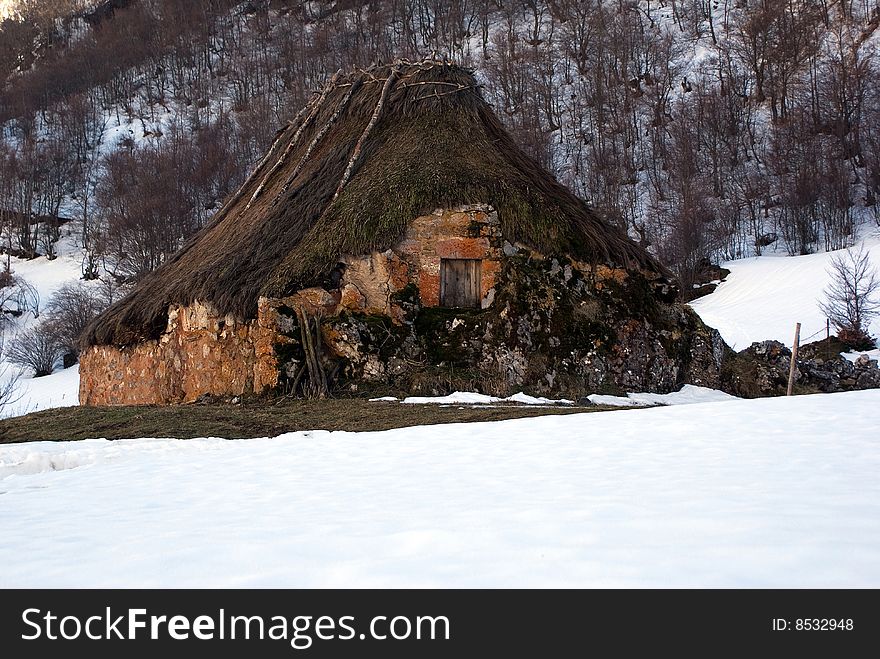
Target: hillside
<point x="705" y="129"/>
<point x="737" y="141"/>
<point x="763" y="297"/>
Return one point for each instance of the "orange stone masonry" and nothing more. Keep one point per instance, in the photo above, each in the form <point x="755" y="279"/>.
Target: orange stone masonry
<point x="199" y="353"/>
<point x="202" y="353"/>
<point x="467" y="232"/>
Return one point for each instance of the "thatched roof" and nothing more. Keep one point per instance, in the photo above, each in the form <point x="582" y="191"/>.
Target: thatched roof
<point x="373" y="150"/>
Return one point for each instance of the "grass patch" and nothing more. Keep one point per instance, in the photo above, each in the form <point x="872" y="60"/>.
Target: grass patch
<point x="254" y="418"/>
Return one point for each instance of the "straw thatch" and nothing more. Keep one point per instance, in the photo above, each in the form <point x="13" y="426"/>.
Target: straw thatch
<point x="373" y="150"/>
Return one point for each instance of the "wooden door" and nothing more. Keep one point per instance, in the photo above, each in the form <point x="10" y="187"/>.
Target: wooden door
<point x="460" y="282"/>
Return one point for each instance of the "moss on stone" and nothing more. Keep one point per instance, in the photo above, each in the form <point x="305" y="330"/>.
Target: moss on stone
<point x="443" y="343"/>
<point x="409" y="294"/>
<point x="550" y="330"/>
<point x="635" y="296"/>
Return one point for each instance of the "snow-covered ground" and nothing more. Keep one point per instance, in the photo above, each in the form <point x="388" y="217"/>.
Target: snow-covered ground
<point x="472" y="398"/>
<point x="764" y="297"/>
<point x="61" y="389"/>
<point x="687" y="395"/>
<point x="760" y="493"/>
<point x="48" y="275"/>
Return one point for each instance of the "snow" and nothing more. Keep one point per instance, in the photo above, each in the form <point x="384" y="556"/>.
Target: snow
<point x="852" y="356"/>
<point x="763" y="298"/>
<point x="525" y="399"/>
<point x="48" y="275"/>
<point x="456" y="398"/>
<point x="471" y="398"/>
<point x="687" y="395"/>
<point x="778" y="492"/>
<point x="763" y="493"/>
<point x="61" y="389"/>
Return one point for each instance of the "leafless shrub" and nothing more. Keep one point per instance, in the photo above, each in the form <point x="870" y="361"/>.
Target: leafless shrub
<point x="17" y="296"/>
<point x="35" y="348"/>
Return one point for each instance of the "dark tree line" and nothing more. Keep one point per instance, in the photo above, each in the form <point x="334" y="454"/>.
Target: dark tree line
<point x="705" y="128"/>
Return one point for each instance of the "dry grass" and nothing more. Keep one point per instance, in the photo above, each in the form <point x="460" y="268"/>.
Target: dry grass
<point x="256" y="418"/>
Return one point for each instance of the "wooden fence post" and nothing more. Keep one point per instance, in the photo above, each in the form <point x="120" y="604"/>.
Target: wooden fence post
<point x="827" y="338"/>
<point x="794" y="353"/>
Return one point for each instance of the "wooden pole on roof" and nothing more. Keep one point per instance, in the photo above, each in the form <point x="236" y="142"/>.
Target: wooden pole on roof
<point x="386" y="88"/>
<point x="794" y="354"/>
<point x="343" y="104"/>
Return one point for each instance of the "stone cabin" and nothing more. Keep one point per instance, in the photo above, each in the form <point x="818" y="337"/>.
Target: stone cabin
<point x="394" y="238"/>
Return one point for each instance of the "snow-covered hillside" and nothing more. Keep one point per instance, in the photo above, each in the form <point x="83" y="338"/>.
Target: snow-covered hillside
<point x="61" y="389"/>
<point x="669" y="119"/>
<point x="763" y="493"/>
<point x="763" y="297"/>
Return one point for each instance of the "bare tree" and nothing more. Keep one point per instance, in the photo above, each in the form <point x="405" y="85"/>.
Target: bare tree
<point x="852" y="299"/>
<point x="68" y="312"/>
<point x="595" y="90"/>
<point x="17" y="296"/>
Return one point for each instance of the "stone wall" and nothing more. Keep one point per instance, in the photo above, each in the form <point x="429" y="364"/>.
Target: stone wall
<point x="545" y="325"/>
<point x="762" y="369"/>
<point x="468" y="232"/>
<point x="370" y="284"/>
<point x="199" y="353"/>
<point x="555" y="327"/>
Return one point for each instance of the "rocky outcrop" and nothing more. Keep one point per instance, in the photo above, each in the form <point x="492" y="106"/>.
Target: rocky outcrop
<point x="762" y="370"/>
